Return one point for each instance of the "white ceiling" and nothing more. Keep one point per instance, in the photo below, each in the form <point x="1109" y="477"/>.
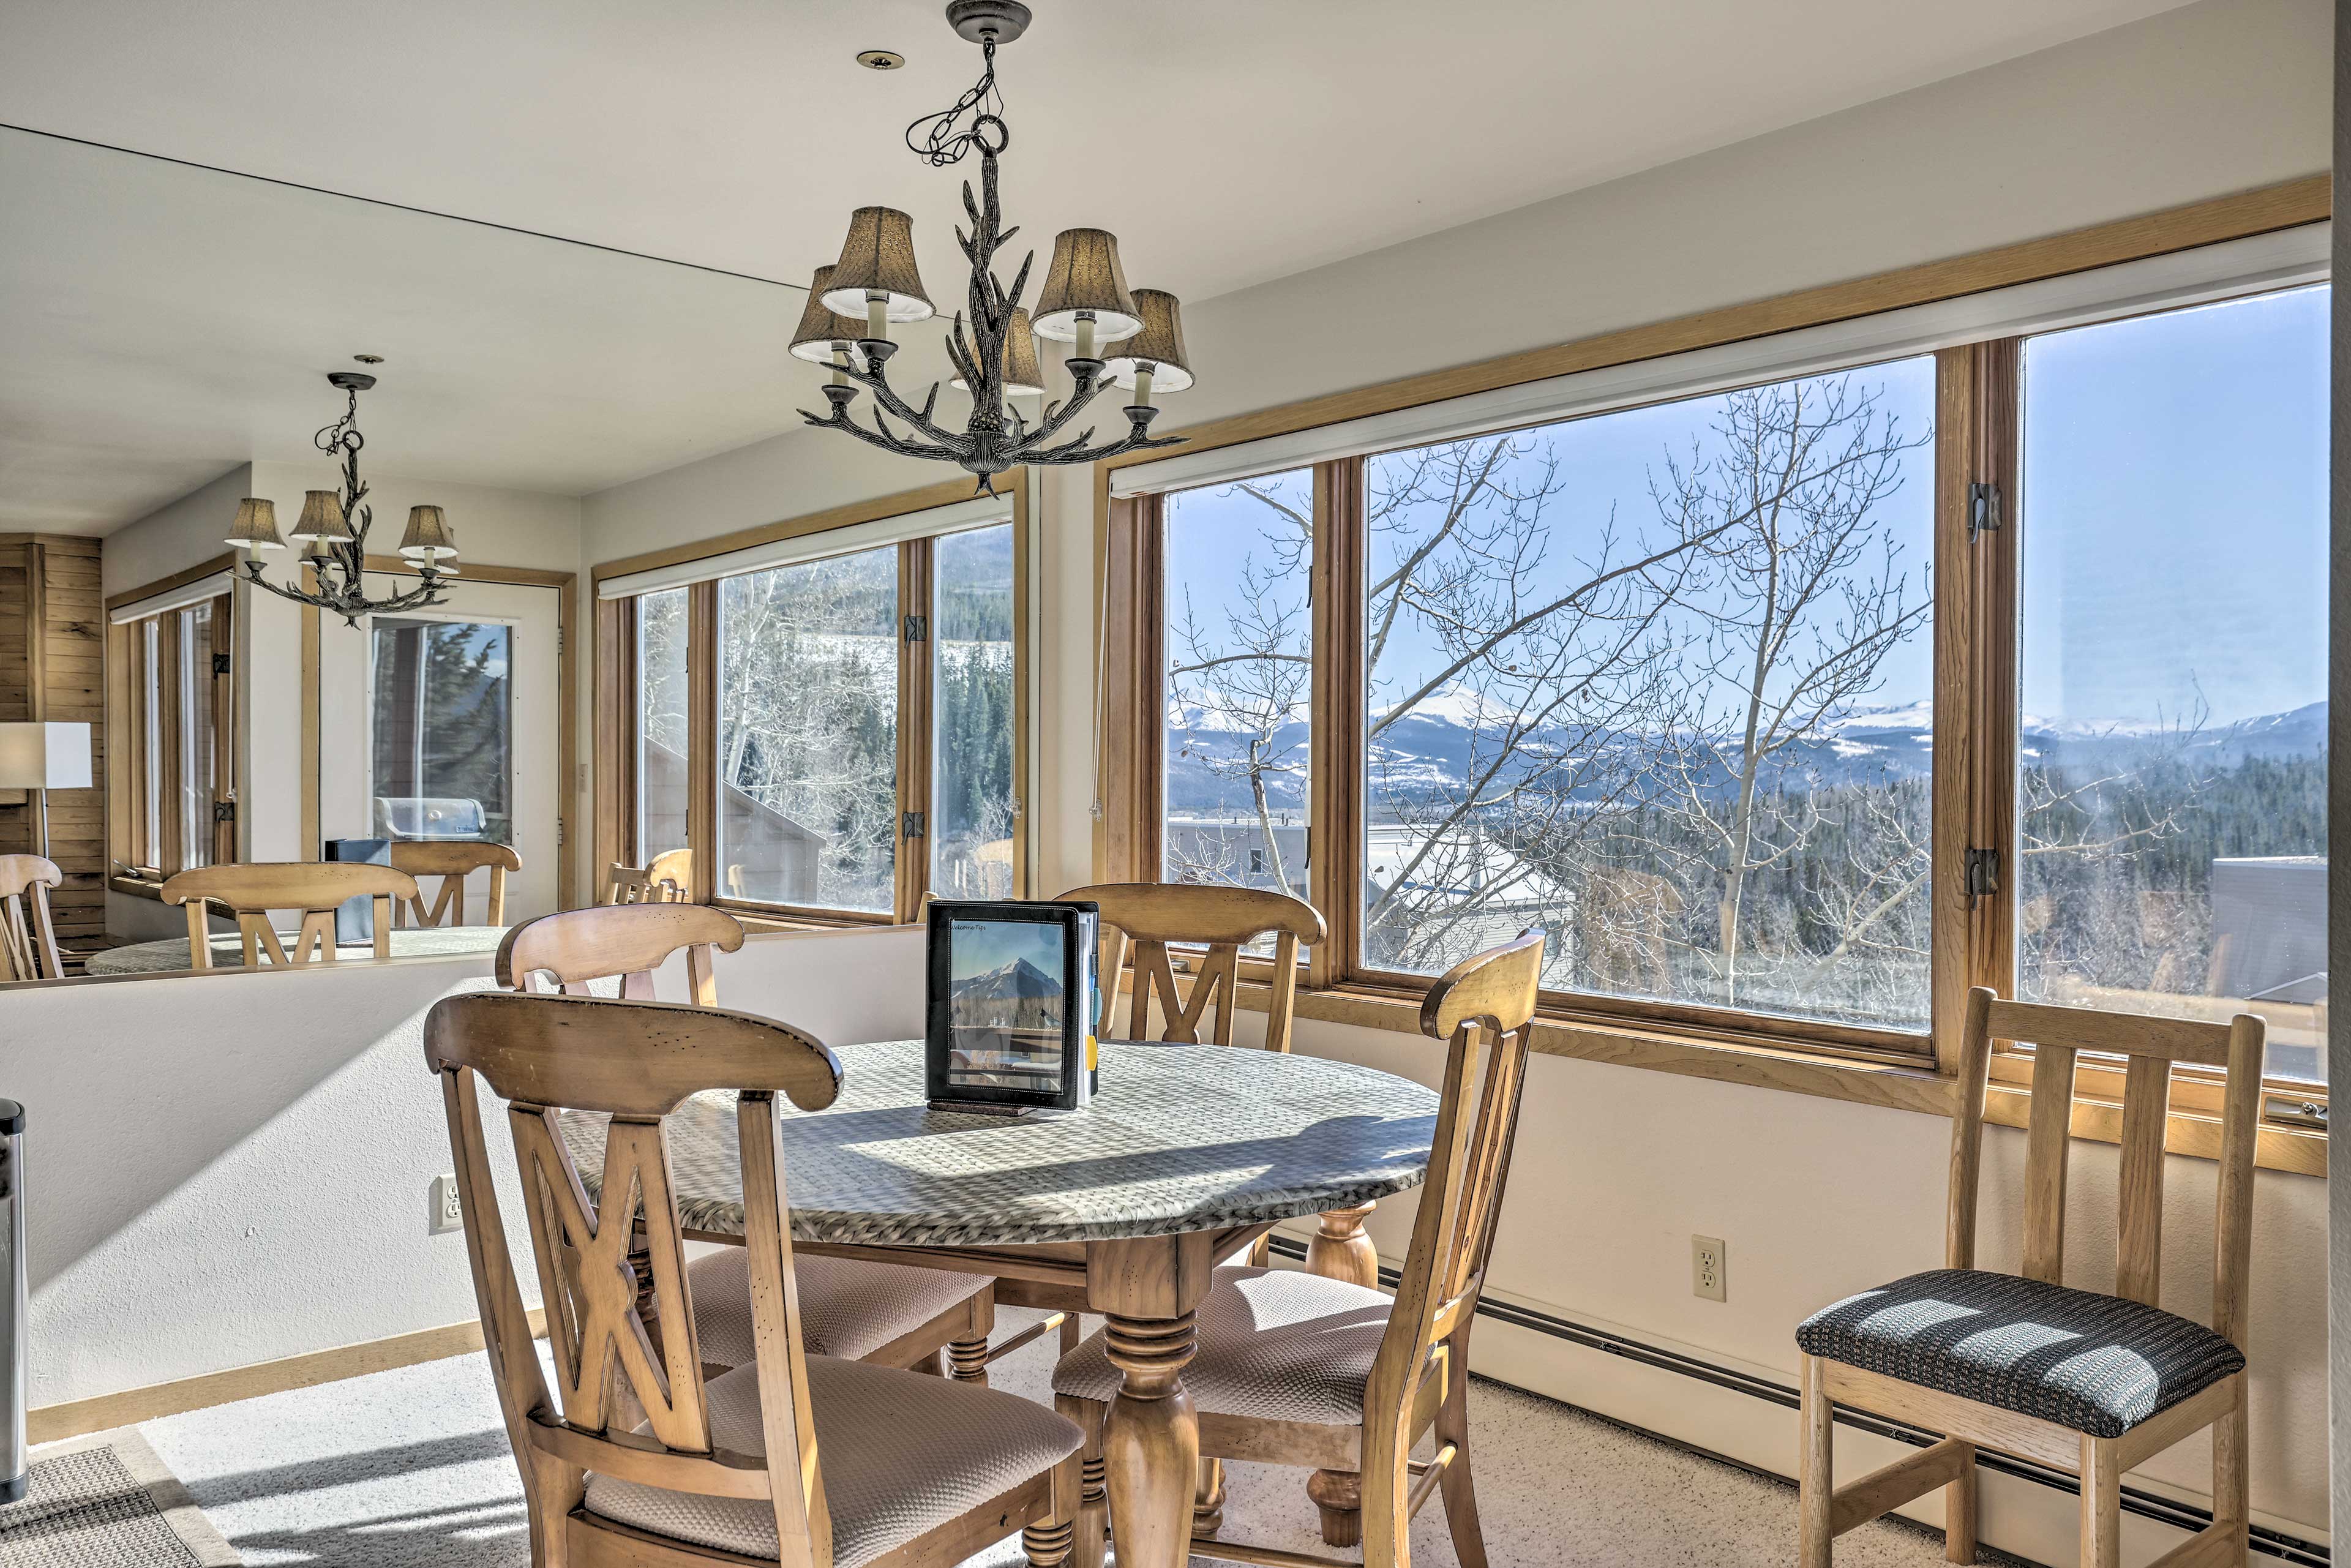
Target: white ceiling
<point x="161" y="323"/>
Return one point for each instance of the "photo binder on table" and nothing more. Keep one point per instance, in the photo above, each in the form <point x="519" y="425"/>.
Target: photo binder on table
<point x="1011" y="1018"/>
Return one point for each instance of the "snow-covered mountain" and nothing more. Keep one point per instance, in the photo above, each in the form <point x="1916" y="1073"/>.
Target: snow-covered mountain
<point x="1437" y="741"/>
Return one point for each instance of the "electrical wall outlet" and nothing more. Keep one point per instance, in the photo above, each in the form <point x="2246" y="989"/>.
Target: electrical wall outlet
<point x="1708" y="1256"/>
<point x="444" y="1215"/>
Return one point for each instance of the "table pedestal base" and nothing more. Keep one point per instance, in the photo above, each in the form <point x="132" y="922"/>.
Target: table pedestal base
<point x="1151" y="1443"/>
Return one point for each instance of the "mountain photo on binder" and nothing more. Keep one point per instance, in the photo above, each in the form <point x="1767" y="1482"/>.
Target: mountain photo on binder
<point x="1011" y="1005"/>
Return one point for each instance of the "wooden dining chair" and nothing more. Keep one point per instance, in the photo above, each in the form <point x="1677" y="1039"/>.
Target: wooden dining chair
<point x="883" y="1313"/>
<point x="312" y="889"/>
<point x="29" y="938"/>
<point x="453" y="863"/>
<point x="666" y="879"/>
<point x="792" y="1458"/>
<point x="2077" y="1380"/>
<point x="1293" y="1368"/>
<point x="1146" y="917"/>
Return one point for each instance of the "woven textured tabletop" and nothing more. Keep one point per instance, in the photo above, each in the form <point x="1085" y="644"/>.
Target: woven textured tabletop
<point x="228" y="949"/>
<point x="1181" y="1138"/>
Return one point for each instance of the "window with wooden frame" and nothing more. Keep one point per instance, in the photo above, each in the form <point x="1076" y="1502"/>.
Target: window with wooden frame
<point x="830" y="718"/>
<point x="177" y="770"/>
<point x="1792" y="706"/>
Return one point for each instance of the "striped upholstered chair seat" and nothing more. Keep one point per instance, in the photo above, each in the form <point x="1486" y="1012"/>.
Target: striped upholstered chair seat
<point x="2092" y="1363"/>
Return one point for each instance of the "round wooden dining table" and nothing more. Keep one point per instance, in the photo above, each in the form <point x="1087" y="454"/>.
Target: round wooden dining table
<point x="170" y="954"/>
<point x="1184" y="1158"/>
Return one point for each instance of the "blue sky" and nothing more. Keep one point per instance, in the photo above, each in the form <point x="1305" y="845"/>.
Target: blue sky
<point x="2173" y="513"/>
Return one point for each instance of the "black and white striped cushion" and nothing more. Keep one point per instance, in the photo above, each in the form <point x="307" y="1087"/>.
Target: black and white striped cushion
<point x="2092" y="1364"/>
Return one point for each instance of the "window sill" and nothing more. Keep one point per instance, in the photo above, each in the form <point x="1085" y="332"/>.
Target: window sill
<point x="136" y="886"/>
<point x="2294" y="1150"/>
<point x="1793" y="1070"/>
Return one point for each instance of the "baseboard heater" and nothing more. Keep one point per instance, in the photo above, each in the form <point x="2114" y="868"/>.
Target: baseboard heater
<point x="2146" y="1505"/>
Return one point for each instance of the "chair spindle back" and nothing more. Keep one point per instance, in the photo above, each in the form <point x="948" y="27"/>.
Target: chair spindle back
<point x="627" y="940"/>
<point x="28" y="938"/>
<point x="2151" y="1045"/>
<point x="453" y="862"/>
<point x="313" y="889"/>
<point x="668" y="878"/>
<point x="1148" y="915"/>
<point x="635" y="1062"/>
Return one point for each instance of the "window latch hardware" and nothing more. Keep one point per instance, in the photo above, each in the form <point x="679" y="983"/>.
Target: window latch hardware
<point x="914" y="825"/>
<point x="2293" y="1111"/>
<point x="220" y="663"/>
<point x="1982" y="873"/>
<point x="917" y="628"/>
<point x="223" y="810"/>
<point x="1983" y="510"/>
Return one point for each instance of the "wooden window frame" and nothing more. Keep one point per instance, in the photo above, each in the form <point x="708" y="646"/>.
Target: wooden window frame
<point x="617" y="709"/>
<point x="135" y="777"/>
<point x="1976" y="638"/>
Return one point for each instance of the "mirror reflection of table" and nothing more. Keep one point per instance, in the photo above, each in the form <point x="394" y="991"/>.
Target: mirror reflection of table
<point x="228" y="950"/>
<point x="1186" y="1156"/>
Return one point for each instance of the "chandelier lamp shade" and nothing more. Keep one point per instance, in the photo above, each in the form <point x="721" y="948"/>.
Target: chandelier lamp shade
<point x="1083" y="302"/>
<point x="333" y="530"/>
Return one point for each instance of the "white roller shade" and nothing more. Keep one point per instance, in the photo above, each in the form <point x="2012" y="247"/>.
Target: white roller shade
<point x="979" y="512"/>
<point x="179" y="598"/>
<point x="2211" y="272"/>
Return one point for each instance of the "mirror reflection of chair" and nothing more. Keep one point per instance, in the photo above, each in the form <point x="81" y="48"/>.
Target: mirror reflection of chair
<point x="451" y="862"/>
<point x="883" y="1313"/>
<point x="789" y="1456"/>
<point x="2079" y="1381"/>
<point x="28" y="939"/>
<point x="312" y="889"/>
<point x="667" y="878"/>
<point x="1293" y="1368"/>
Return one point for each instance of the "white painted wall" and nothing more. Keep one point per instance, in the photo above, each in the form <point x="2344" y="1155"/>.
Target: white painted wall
<point x="234" y="1167"/>
<point x="1619" y="1166"/>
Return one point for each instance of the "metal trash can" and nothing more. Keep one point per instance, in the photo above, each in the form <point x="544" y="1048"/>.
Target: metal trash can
<point x="13" y="1326"/>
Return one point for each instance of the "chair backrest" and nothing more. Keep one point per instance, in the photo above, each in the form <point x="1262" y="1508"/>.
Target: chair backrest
<point x="635" y="1062"/>
<point x="1148" y="915"/>
<point x="29" y="940"/>
<point x="668" y="879"/>
<point x="627" y="940"/>
<point x="2151" y="1045"/>
<point x="453" y="862"/>
<point x="1483" y="1009"/>
<point x="314" y="889"/>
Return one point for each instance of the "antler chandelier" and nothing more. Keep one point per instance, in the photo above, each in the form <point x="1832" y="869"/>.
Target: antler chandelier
<point x="1084" y="302"/>
<point x="333" y="530"/>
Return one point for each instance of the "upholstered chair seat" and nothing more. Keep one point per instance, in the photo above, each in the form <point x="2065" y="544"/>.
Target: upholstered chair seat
<point x="1274" y="1344"/>
<point x="848" y="1307"/>
<point x="900" y="1455"/>
<point x="2092" y="1364"/>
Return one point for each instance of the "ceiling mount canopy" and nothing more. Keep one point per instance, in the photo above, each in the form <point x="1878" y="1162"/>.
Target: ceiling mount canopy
<point x="333" y="530"/>
<point x="992" y="348"/>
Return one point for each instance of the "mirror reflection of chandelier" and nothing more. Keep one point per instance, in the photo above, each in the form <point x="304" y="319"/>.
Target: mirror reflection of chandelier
<point x="333" y="530"/>
<point x="1117" y="337"/>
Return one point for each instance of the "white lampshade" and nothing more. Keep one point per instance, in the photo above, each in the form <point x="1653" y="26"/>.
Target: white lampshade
<point x="45" y="757"/>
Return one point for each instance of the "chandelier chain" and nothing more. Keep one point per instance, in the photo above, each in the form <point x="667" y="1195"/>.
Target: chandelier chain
<point x="941" y="142"/>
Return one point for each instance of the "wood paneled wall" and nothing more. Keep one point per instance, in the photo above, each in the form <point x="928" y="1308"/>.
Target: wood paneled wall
<point x="52" y="668"/>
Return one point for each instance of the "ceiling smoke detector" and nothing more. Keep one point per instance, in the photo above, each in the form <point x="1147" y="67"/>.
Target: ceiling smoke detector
<point x="881" y="60"/>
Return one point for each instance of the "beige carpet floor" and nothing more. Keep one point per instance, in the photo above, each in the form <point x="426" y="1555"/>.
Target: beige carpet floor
<point x="409" y="1470"/>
